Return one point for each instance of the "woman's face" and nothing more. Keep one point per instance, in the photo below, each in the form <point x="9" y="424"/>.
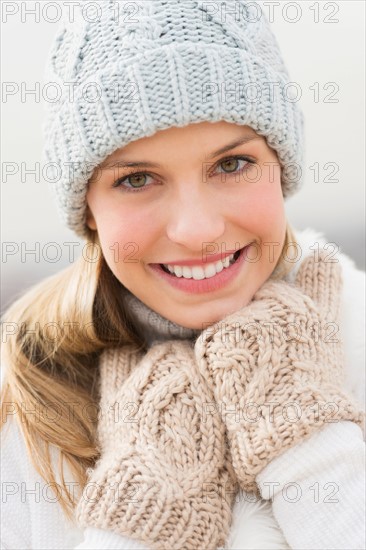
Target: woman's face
<point x="188" y="206"/>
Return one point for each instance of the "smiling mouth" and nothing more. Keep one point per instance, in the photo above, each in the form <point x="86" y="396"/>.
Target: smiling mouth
<point x="202" y="272"/>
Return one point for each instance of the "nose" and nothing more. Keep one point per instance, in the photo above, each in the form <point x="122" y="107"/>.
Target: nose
<point x="195" y="218"/>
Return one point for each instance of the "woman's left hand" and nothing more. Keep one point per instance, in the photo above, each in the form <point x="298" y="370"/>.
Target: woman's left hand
<point x="275" y="371"/>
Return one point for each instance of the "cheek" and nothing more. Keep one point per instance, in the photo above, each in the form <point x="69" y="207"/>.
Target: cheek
<point x="261" y="208"/>
<point x="115" y="221"/>
<point x="124" y="238"/>
<point x="122" y="232"/>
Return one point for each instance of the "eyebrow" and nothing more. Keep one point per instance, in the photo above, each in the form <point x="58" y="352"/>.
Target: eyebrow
<point x="228" y="147"/>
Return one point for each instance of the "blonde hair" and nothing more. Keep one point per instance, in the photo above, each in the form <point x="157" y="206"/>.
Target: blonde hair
<point x="44" y="372"/>
<point x="288" y="256"/>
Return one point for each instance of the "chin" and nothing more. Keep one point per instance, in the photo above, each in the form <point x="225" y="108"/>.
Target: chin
<point x="202" y="322"/>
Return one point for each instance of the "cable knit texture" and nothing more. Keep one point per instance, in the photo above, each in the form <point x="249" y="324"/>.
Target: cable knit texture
<point x="275" y="370"/>
<point x="144" y="66"/>
<point x="164" y="477"/>
<point x="333" y="456"/>
<point x="169" y="471"/>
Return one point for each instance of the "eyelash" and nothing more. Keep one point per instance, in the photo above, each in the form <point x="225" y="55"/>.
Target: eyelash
<point x="119" y="181"/>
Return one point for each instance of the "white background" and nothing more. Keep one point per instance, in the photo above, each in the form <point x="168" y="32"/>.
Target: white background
<point x="313" y="51"/>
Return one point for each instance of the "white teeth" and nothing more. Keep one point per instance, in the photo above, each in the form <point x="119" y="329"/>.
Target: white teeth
<point x="219" y="266"/>
<point x="200" y="272"/>
<point x="210" y="270"/>
<point x="187" y="273"/>
<point x="178" y="271"/>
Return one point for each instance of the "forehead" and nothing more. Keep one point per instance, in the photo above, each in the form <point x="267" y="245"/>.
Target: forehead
<point x="204" y="135"/>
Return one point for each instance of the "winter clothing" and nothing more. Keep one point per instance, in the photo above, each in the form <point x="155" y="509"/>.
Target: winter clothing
<point x="158" y="454"/>
<point x="332" y="455"/>
<point x="269" y="353"/>
<point x="167" y="64"/>
<point x="168" y="464"/>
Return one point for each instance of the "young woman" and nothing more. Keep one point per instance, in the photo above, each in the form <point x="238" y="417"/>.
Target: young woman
<point x="192" y="380"/>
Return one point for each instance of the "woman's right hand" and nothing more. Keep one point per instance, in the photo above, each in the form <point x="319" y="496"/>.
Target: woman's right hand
<point x="164" y="476"/>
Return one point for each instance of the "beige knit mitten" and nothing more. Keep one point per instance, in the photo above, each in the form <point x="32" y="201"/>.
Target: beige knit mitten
<point x="164" y="476"/>
<point x="276" y="367"/>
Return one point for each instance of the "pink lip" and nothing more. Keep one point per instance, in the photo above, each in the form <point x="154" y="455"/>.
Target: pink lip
<point x="205" y="285"/>
<point x="210" y="258"/>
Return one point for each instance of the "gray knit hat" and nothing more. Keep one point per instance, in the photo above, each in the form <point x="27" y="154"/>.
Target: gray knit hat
<point x="129" y="69"/>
